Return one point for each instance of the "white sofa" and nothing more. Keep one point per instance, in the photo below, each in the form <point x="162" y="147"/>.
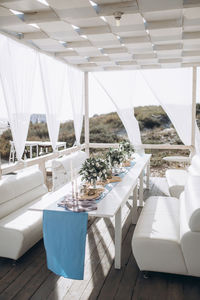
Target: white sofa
<point x="167" y="235"/>
<point x="61" y="168"/>
<point x="176" y="178"/>
<point x="20" y="228"/>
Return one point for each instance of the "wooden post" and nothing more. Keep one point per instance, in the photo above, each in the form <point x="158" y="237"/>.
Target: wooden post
<point x="118" y="238"/>
<point x="87" y="133"/>
<point x="194" y="87"/>
<point x="134" y="208"/>
<point x="43" y="170"/>
<point x="0" y="167"/>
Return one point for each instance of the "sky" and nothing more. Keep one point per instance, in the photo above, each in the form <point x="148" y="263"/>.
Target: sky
<point x="99" y="101"/>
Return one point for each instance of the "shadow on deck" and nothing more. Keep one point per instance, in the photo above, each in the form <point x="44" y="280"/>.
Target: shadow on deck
<point x="30" y="278"/>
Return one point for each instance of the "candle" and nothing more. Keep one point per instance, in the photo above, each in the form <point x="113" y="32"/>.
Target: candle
<point x="72" y="179"/>
<point x="76" y="188"/>
<point x="71" y="171"/>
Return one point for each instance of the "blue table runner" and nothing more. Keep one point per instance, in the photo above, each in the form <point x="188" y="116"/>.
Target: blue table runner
<point x="64" y="235"/>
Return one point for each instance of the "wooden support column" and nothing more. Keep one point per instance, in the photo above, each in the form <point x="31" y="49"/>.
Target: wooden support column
<point x="194" y="91"/>
<point x="43" y="170"/>
<point x="87" y="132"/>
<point x="0" y="167"/>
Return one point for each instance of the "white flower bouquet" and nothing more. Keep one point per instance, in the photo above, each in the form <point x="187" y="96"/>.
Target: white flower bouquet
<point x="127" y="148"/>
<point x="115" y="156"/>
<point x="94" y="169"/>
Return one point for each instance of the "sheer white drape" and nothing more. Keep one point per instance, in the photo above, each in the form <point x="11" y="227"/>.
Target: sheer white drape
<point x="17" y="71"/>
<point x="173" y="90"/>
<point x="53" y="76"/>
<point x="132" y="127"/>
<point x="120" y="88"/>
<point x="76" y="90"/>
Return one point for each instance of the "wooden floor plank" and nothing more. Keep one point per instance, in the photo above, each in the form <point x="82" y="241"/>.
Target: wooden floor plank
<point x="115" y="276"/>
<point x="21" y="265"/>
<point x="127" y="284"/>
<point x="44" y="289"/>
<point x="154" y="288"/>
<point x="175" y="287"/>
<point x="34" y="283"/>
<point x="23" y="278"/>
<point x="191" y="288"/>
<point x="5" y="266"/>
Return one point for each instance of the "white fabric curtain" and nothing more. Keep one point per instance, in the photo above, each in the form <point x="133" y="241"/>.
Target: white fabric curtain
<point x="173" y="90"/>
<point x="76" y="90"/>
<point x="119" y="87"/>
<point x="17" y="71"/>
<point x="54" y="83"/>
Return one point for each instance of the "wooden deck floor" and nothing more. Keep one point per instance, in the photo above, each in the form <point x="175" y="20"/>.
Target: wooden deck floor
<point x="30" y="279"/>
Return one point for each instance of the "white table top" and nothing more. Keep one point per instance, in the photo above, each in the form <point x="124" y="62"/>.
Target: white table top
<point x="177" y="159"/>
<point x="48" y="144"/>
<point x="28" y="143"/>
<point x="40" y="143"/>
<point x="111" y="203"/>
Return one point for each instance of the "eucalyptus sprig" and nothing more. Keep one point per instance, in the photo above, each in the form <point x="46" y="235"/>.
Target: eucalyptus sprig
<point x="94" y="169"/>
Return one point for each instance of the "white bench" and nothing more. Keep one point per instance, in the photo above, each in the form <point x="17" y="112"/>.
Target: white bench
<point x="61" y="168"/>
<point x="176" y="179"/>
<point x="167" y="235"/>
<point x="20" y="228"/>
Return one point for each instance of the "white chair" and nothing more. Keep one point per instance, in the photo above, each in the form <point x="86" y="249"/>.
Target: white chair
<point x="61" y="168"/>
<point x="167" y="235"/>
<point x="176" y="179"/>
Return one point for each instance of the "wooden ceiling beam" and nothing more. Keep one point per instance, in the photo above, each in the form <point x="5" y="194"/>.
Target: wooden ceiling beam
<point x="40" y="17"/>
<point x="152" y="25"/>
<point x="109" y="9"/>
<point x="35" y="35"/>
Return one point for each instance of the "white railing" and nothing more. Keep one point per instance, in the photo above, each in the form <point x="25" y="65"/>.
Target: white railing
<point x="38" y="161"/>
<point x="144" y="146"/>
<point x="43" y="159"/>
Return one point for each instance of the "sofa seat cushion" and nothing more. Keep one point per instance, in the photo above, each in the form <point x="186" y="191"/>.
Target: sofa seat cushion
<point x="192" y="202"/>
<point x="190" y="241"/>
<point x="156" y="239"/>
<point x="19" y="231"/>
<point x="176" y="180"/>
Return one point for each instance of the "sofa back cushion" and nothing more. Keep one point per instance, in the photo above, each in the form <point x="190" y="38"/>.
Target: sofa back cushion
<point x="20" y="189"/>
<point x="10" y="206"/>
<point x="61" y="168"/>
<point x="194" y="168"/>
<point x="192" y="202"/>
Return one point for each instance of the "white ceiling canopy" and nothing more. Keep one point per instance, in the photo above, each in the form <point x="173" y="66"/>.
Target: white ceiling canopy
<point x="151" y="34"/>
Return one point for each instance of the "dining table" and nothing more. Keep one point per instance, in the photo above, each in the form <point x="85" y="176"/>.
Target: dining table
<point x="130" y="187"/>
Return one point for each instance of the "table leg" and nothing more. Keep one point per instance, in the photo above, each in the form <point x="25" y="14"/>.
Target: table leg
<point x="134" y="208"/>
<point x="141" y="189"/>
<point x="37" y="151"/>
<point x="148" y="174"/>
<point x="31" y="152"/>
<point x="118" y="238"/>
